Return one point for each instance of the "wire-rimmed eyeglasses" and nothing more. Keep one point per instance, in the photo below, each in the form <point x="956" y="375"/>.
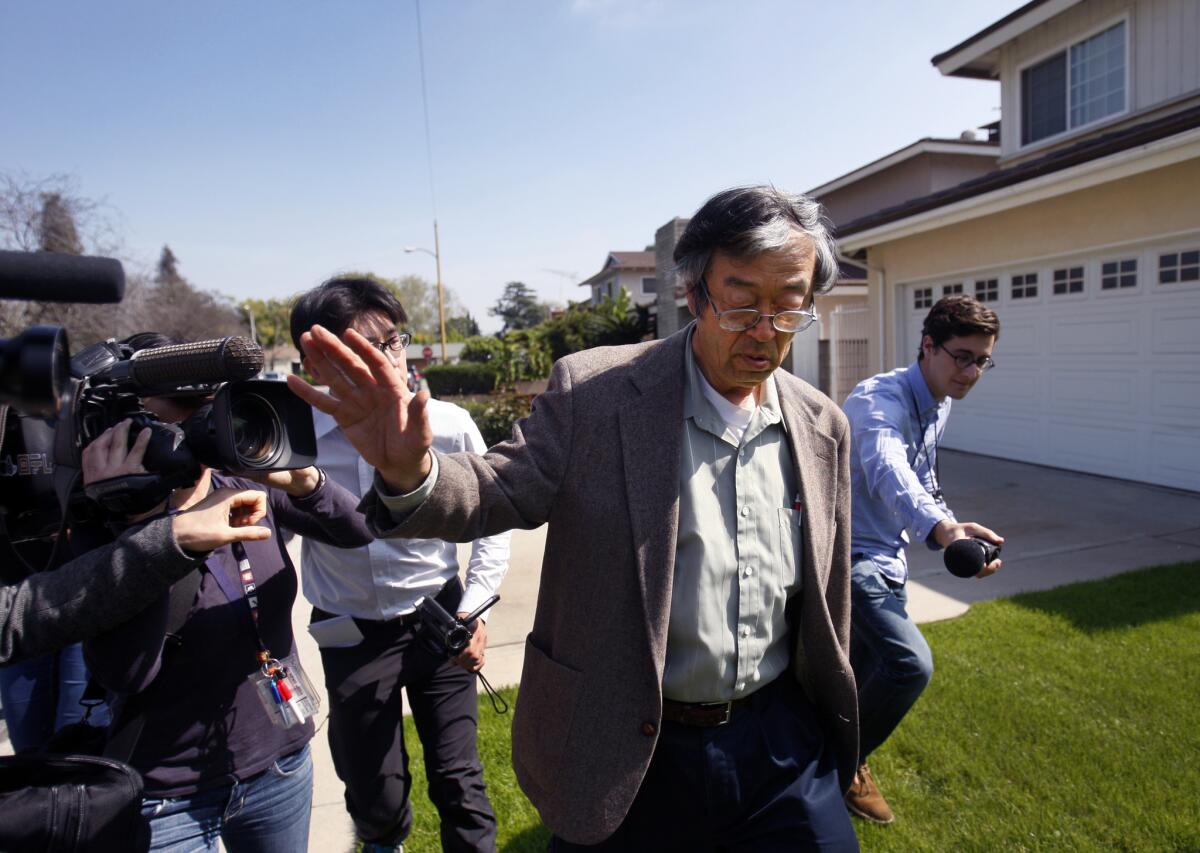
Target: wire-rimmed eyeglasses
<point x="743" y="319"/>
<point x="964" y="359"/>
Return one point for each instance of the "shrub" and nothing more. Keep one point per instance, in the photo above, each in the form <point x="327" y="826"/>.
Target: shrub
<point x="495" y="417"/>
<point x="462" y="378"/>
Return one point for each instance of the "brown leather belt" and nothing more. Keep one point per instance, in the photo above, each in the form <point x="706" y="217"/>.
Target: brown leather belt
<point x="703" y="714"/>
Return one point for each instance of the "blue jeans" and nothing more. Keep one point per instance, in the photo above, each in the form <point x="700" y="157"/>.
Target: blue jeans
<point x="891" y="660"/>
<point x="41" y="695"/>
<point x="268" y="813"/>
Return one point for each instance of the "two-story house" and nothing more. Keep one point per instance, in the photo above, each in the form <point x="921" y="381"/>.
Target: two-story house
<point x="632" y="272"/>
<point x="1085" y="238"/>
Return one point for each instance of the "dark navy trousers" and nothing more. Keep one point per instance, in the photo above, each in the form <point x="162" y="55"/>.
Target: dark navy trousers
<point x="766" y="782"/>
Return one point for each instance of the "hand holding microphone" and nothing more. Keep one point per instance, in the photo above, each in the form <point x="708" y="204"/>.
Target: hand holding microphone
<point x="972" y="550"/>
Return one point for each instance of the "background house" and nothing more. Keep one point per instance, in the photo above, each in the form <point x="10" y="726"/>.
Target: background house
<point x="633" y="272"/>
<point x="1085" y="238"/>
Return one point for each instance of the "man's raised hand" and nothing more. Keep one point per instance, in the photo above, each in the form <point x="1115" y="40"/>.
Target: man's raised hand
<point x="370" y="400"/>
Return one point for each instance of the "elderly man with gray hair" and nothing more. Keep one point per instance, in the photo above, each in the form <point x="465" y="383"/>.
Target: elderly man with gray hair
<point x="686" y="683"/>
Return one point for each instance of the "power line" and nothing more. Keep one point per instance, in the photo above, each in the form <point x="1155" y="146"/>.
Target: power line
<point x="425" y="105"/>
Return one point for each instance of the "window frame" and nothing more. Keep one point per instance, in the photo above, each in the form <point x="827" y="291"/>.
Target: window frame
<point x="1064" y="47"/>
<point x="1084" y="265"/>
<point x="995" y="290"/>
<point x="1175" y="248"/>
<point x="1037" y="284"/>
<point x="1138" y="256"/>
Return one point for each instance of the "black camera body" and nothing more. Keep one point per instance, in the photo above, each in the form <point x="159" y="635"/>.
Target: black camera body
<point x="443" y="633"/>
<point x="242" y="426"/>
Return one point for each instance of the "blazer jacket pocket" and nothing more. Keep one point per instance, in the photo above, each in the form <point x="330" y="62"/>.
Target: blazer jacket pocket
<point x="546" y="705"/>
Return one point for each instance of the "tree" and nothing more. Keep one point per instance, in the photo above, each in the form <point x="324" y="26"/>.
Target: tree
<point x="518" y="307"/>
<point x="58" y="232"/>
<point x="272" y="323"/>
<point x="461" y="328"/>
<point x="49" y="214"/>
<point x="610" y="323"/>
<point x="177" y="308"/>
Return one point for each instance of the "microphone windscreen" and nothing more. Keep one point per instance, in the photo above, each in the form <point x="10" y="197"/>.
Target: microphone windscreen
<point x="197" y="363"/>
<point x="965" y="558"/>
<point x="57" y="277"/>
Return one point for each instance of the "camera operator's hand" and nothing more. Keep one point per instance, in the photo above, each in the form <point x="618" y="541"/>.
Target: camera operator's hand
<point x="299" y="483"/>
<point x="111" y="456"/>
<point x="948" y="531"/>
<point x="225" y="516"/>
<point x="370" y="400"/>
<point x="472" y="657"/>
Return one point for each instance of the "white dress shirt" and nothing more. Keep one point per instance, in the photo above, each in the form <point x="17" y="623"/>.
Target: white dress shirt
<point x="386" y="578"/>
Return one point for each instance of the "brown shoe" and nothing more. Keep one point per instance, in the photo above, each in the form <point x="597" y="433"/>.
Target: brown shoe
<point x="865" y="800"/>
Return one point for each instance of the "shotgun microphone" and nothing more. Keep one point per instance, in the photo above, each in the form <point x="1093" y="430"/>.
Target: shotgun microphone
<point x="198" y="363"/>
<point x="58" y="277"/>
<point x="965" y="558"/>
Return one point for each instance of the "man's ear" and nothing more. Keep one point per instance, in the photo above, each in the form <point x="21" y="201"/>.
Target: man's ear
<point x="927" y="345"/>
<point x="691" y="302"/>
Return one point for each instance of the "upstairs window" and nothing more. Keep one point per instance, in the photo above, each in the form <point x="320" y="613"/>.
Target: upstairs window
<point x="1074" y="87"/>
<point x="923" y="298"/>
<point x="649" y="285"/>
<point x="951" y="289"/>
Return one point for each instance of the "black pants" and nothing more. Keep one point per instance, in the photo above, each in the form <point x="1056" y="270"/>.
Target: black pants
<point x="765" y="782"/>
<point x="366" y="737"/>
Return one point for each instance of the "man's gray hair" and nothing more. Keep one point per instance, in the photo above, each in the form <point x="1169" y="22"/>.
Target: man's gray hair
<point x="745" y="222"/>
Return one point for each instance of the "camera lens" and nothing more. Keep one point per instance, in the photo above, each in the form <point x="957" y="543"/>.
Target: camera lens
<point x="256" y="430"/>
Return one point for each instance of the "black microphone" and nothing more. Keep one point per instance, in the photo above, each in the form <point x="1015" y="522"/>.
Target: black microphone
<point x="57" y="277"/>
<point x="965" y="558"/>
<point x="196" y="363"/>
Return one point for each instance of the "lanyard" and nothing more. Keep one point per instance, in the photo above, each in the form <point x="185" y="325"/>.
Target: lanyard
<point x="247" y="593"/>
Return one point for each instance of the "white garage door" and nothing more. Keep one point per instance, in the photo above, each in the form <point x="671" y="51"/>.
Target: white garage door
<point x="1098" y="364"/>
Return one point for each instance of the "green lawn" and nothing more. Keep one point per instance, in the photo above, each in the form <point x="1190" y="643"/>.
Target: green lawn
<point x="1059" y="720"/>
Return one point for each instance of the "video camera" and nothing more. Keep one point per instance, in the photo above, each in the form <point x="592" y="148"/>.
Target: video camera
<point x="239" y="424"/>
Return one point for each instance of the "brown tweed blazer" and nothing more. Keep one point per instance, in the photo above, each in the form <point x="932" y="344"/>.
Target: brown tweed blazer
<point x="598" y="459"/>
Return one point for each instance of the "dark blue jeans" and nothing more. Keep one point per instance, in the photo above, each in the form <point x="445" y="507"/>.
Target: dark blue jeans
<point x="268" y="813"/>
<point x="891" y="660"/>
<point x="765" y="782"/>
<point x="41" y="695"/>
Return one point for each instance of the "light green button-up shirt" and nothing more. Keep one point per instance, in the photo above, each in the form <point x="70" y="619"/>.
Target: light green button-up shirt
<point x="737" y="560"/>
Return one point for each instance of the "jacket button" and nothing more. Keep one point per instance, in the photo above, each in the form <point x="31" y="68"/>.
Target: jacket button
<point x="649" y="729"/>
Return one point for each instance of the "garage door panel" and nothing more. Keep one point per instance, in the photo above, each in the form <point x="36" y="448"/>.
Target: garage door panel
<point x="1005" y="389"/>
<point x="1176" y="329"/>
<point x="1176" y="396"/>
<point x="996" y="434"/>
<point x="1112" y="393"/>
<point x="1094" y="333"/>
<point x="1175" y="457"/>
<point x="1020" y="334"/>
<point x="1091" y="445"/>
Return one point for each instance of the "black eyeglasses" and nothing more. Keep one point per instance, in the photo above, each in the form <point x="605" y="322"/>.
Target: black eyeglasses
<point x="395" y="343"/>
<point x="742" y="319"/>
<point x="963" y="360"/>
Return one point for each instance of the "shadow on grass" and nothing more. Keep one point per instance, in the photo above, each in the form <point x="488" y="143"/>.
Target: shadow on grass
<point x="1122" y="601"/>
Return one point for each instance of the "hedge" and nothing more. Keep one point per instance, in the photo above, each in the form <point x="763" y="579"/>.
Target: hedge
<point x="461" y="378"/>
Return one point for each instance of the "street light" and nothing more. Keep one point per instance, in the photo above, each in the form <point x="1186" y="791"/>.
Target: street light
<point x="437" y="260"/>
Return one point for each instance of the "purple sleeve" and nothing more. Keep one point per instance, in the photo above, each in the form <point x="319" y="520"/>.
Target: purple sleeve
<point x="330" y="515"/>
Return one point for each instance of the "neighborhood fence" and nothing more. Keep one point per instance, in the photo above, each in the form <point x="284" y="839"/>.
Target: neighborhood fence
<point x="847" y="350"/>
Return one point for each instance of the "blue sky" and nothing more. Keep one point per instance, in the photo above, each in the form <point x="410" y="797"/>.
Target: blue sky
<point x="273" y="144"/>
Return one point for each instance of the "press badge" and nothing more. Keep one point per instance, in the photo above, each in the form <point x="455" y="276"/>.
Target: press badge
<point x="285" y="691"/>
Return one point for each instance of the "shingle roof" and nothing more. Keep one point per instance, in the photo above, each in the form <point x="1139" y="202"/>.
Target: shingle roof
<point x="1081" y="152"/>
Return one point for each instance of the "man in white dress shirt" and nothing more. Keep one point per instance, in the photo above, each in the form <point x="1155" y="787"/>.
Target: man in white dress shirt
<point x="364" y="619"/>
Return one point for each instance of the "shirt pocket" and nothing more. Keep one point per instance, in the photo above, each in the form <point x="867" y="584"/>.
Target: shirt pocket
<point x="789" y="551"/>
